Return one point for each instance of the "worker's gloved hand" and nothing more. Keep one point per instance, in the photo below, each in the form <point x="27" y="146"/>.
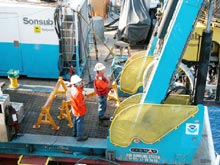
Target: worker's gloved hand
<point x="67" y="83"/>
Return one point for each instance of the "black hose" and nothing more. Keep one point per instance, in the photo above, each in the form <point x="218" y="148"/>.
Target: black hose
<point x="112" y="28"/>
<point x="203" y="67"/>
<point x="56" y="20"/>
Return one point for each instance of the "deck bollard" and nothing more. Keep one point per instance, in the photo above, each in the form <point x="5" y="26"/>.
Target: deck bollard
<point x="13" y="75"/>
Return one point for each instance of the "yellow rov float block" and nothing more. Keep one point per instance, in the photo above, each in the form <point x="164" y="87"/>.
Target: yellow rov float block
<point x="135" y="56"/>
<point x="148" y="122"/>
<point x="151" y="121"/>
<point x="132" y="74"/>
<point x="135" y="99"/>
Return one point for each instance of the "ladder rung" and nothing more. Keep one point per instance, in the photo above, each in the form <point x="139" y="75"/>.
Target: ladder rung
<point x="64" y="50"/>
<point x="68" y="53"/>
<point x="70" y="61"/>
<point x="68" y="37"/>
<point x="68" y="67"/>
<point x="68" y="46"/>
<point x="68" y="22"/>
<point x="69" y="30"/>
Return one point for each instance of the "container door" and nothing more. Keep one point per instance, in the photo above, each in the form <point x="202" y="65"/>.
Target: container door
<point x="10" y="47"/>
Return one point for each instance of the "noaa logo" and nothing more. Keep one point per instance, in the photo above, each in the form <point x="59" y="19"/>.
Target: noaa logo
<point x="192" y="129"/>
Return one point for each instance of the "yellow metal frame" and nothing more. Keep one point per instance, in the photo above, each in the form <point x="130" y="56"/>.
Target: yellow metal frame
<point x="113" y="94"/>
<point x="192" y="49"/>
<point x="45" y="110"/>
<point x="65" y="112"/>
<point x="22" y="156"/>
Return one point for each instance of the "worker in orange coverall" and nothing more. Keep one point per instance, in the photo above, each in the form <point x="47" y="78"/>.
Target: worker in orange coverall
<point x="78" y="107"/>
<point x="102" y="86"/>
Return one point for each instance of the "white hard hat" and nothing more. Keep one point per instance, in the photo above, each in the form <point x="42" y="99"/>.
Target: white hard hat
<point x="99" y="66"/>
<point x="75" y="79"/>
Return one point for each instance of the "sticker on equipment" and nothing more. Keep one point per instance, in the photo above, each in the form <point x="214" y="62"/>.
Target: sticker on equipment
<point x="14" y="117"/>
<point x="192" y="129"/>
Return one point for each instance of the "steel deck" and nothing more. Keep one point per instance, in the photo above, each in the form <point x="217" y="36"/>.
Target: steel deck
<point x="33" y="100"/>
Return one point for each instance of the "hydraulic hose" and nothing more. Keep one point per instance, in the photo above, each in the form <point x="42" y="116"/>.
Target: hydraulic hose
<point x="205" y="51"/>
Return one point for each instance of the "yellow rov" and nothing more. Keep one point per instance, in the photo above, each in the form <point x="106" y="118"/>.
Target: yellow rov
<point x="133" y="77"/>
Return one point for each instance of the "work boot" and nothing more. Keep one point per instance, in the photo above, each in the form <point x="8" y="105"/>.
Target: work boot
<point x="82" y="138"/>
<point x="102" y="123"/>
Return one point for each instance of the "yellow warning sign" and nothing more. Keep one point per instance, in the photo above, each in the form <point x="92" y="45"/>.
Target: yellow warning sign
<point x="37" y="29"/>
